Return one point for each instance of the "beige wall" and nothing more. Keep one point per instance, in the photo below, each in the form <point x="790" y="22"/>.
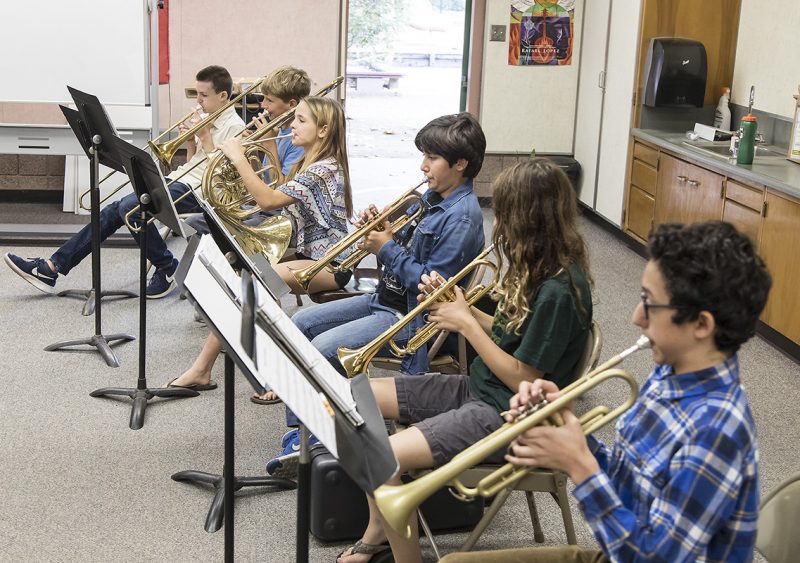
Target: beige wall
<point x="767" y="55"/>
<point x="250" y="39"/>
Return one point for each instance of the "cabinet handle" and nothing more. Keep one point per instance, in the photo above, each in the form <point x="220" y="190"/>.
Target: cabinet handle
<point x="682" y="179"/>
<point x="693" y="183"/>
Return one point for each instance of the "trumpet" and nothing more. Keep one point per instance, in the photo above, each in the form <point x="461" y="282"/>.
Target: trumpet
<point x="397" y="502"/>
<point x="356" y="360"/>
<point x="305" y="275"/>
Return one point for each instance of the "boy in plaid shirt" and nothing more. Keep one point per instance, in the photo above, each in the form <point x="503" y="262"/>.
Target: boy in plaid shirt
<point x="680" y="483"/>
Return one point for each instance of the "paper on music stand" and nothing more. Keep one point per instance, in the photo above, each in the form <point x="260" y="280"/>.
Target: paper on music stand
<point x="275" y="370"/>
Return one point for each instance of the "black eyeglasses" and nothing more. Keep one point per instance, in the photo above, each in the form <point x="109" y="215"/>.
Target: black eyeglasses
<point x="647" y="306"/>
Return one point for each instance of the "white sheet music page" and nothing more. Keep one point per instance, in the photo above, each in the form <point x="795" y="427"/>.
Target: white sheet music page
<point x="275" y="370"/>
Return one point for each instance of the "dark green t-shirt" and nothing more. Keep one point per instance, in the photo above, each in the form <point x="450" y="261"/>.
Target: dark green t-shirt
<point x="551" y="339"/>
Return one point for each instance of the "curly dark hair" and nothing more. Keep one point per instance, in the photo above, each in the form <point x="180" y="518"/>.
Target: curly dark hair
<point x="712" y="267"/>
<point x="454" y="137"/>
<point x="536" y="233"/>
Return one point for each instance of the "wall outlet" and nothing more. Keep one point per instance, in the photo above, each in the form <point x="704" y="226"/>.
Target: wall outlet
<point x="498" y="33"/>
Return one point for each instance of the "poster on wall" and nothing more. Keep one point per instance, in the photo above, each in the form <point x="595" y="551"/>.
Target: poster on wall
<point x="541" y="33"/>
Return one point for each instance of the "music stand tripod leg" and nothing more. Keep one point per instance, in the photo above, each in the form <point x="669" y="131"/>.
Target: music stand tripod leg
<point x="216" y="512"/>
<point x="142" y="394"/>
<point x="89" y="295"/>
<point x="100" y="342"/>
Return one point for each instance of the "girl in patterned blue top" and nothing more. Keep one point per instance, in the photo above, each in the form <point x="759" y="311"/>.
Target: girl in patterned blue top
<point x="317" y="198"/>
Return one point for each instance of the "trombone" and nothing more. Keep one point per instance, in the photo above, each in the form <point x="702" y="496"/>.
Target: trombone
<point x="218" y="157"/>
<point x="397" y="502"/>
<point x="166" y="151"/>
<point x="305" y="275"/>
<point x="356" y="360"/>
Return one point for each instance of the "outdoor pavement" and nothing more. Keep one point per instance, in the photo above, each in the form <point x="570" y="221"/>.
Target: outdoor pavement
<point x="382" y="124"/>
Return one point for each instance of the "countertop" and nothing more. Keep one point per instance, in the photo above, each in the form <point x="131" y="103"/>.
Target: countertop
<point x="773" y="172"/>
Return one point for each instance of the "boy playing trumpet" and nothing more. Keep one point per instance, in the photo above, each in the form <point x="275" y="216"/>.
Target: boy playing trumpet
<point x="680" y="483"/>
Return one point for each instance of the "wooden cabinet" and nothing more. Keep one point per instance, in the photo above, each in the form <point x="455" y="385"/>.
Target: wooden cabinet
<point x="743" y="207"/>
<point x="642" y="190"/>
<point x="780" y="239"/>
<point x="687" y="193"/>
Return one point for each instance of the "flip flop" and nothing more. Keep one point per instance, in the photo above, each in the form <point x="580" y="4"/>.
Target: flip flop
<point x="193" y="386"/>
<point x="259" y="401"/>
<point x="365" y="548"/>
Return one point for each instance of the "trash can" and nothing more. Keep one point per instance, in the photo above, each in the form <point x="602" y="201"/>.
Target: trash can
<point x="570" y="166"/>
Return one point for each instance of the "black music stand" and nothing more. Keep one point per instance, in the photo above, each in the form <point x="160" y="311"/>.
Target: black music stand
<point x="155" y="200"/>
<point x="94" y="132"/>
<point x="358" y="429"/>
<point x="228" y="483"/>
<point x="101" y="124"/>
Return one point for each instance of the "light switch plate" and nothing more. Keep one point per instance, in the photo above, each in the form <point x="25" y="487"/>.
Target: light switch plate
<point x="498" y="33"/>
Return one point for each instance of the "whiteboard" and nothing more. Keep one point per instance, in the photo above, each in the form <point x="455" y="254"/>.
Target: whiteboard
<point x="97" y="46"/>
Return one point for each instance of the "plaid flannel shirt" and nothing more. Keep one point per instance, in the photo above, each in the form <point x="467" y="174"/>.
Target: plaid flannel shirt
<point x="681" y="481"/>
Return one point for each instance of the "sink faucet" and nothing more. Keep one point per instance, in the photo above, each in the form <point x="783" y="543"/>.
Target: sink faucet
<point x="752" y="99"/>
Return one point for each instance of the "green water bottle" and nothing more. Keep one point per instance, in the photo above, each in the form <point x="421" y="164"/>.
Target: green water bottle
<point x="747" y="144"/>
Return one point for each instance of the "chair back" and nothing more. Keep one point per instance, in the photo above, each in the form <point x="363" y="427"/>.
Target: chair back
<point x="778" y="540"/>
<point x="591" y="351"/>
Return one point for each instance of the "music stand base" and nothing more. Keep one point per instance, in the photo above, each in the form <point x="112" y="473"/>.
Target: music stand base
<point x="101" y="342"/>
<point x="140" y="398"/>
<point x="89" y="295"/>
<point x="216" y="512"/>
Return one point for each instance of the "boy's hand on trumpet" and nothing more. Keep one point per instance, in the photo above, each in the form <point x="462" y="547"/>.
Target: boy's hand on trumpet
<point x="365" y="216"/>
<point x="555" y="447"/>
<point x="377" y="237"/>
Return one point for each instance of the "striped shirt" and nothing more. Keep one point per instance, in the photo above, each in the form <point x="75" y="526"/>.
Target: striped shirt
<point x="319" y="215"/>
<point x="681" y="481"/>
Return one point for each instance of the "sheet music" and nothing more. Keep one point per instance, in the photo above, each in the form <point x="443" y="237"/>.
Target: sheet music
<point x="221" y="304"/>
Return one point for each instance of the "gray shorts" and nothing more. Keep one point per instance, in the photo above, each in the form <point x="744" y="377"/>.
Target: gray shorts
<point x="451" y="419"/>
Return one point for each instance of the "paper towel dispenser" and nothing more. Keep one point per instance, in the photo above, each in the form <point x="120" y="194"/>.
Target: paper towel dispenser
<point x="675" y="73"/>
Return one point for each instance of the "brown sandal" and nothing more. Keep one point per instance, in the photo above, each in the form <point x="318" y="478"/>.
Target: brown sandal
<point x="365" y="548"/>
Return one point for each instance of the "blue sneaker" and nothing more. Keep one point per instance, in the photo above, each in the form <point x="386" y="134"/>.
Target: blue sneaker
<point x="161" y="282"/>
<point x="285" y="465"/>
<point x="34" y="271"/>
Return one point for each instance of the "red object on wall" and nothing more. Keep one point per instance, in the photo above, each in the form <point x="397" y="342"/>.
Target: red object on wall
<point x="163" y="43"/>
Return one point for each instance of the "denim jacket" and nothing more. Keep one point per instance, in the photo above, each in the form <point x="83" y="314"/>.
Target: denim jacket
<point x="448" y="236"/>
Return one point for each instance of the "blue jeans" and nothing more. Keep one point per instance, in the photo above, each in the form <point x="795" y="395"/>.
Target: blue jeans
<point x="198" y="221"/>
<point x="112" y="217"/>
<point x="351" y="322"/>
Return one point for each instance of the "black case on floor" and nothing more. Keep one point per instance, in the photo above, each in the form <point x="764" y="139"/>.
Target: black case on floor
<point x="569" y="165"/>
<point x="339" y="508"/>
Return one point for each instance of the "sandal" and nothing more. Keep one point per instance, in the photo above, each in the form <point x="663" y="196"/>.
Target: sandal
<point x="365" y="548"/>
<point x="259" y="401"/>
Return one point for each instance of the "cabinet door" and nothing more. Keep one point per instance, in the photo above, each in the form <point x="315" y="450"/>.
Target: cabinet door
<point x="623" y="40"/>
<point x="780" y="239"/>
<point x="742" y="208"/>
<point x="591" y="89"/>
<point x="687" y="193"/>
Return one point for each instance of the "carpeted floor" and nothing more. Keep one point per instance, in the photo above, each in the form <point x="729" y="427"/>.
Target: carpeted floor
<point x="79" y="485"/>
